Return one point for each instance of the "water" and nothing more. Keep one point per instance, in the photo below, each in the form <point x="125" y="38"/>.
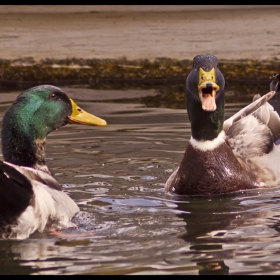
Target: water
<point x="128" y="224"/>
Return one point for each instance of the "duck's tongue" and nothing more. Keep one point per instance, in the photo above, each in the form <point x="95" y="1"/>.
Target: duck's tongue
<point x="208" y="102"/>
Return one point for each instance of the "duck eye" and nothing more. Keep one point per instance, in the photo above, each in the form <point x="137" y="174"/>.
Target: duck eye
<point x="53" y="96"/>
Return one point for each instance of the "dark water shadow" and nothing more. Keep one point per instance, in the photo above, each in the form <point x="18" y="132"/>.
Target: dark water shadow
<point x="170" y="94"/>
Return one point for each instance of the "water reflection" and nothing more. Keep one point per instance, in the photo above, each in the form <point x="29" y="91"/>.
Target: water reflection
<point x="236" y="228"/>
<point x="127" y="223"/>
<point x="203" y="225"/>
<point x="212" y="268"/>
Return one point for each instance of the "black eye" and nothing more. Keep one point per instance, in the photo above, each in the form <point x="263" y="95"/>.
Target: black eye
<point x="53" y="96"/>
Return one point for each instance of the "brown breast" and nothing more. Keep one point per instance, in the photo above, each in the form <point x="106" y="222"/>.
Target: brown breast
<point x="211" y="172"/>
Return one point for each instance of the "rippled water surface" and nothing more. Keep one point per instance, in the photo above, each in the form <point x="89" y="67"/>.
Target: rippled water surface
<point x="127" y="223"/>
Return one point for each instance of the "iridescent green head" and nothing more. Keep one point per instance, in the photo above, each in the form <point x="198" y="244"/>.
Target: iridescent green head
<point x="33" y="115"/>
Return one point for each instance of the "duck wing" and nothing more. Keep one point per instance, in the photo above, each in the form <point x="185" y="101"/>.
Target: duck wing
<point x="269" y="116"/>
<point x="249" y="109"/>
<point x="16" y="195"/>
<point x="37" y="175"/>
<point x="28" y="202"/>
<point x="253" y="130"/>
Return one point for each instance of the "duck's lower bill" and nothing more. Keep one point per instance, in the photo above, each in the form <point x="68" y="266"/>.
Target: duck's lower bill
<point x="79" y="116"/>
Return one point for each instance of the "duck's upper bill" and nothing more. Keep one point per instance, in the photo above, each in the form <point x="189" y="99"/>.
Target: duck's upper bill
<point x="80" y="116"/>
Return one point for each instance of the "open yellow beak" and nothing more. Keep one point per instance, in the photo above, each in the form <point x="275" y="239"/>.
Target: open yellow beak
<point x="79" y="116"/>
<point x="207" y="89"/>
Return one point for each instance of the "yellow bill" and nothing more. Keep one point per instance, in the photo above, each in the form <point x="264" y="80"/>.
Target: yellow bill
<point x="79" y="116"/>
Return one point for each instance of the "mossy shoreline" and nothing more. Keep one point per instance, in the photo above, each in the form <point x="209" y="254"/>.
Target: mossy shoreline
<point x="94" y="71"/>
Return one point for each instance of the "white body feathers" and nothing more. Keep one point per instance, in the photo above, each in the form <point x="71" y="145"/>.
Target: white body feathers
<point x="48" y="204"/>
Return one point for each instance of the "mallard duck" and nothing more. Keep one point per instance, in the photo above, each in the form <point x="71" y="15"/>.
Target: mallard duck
<point x="275" y="86"/>
<point x="29" y="195"/>
<point x="225" y="156"/>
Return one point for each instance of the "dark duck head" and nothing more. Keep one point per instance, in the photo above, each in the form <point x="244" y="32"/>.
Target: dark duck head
<point x="216" y="160"/>
<point x="205" y="98"/>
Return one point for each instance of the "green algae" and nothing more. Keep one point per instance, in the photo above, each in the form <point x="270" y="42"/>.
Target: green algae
<point x="94" y="71"/>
